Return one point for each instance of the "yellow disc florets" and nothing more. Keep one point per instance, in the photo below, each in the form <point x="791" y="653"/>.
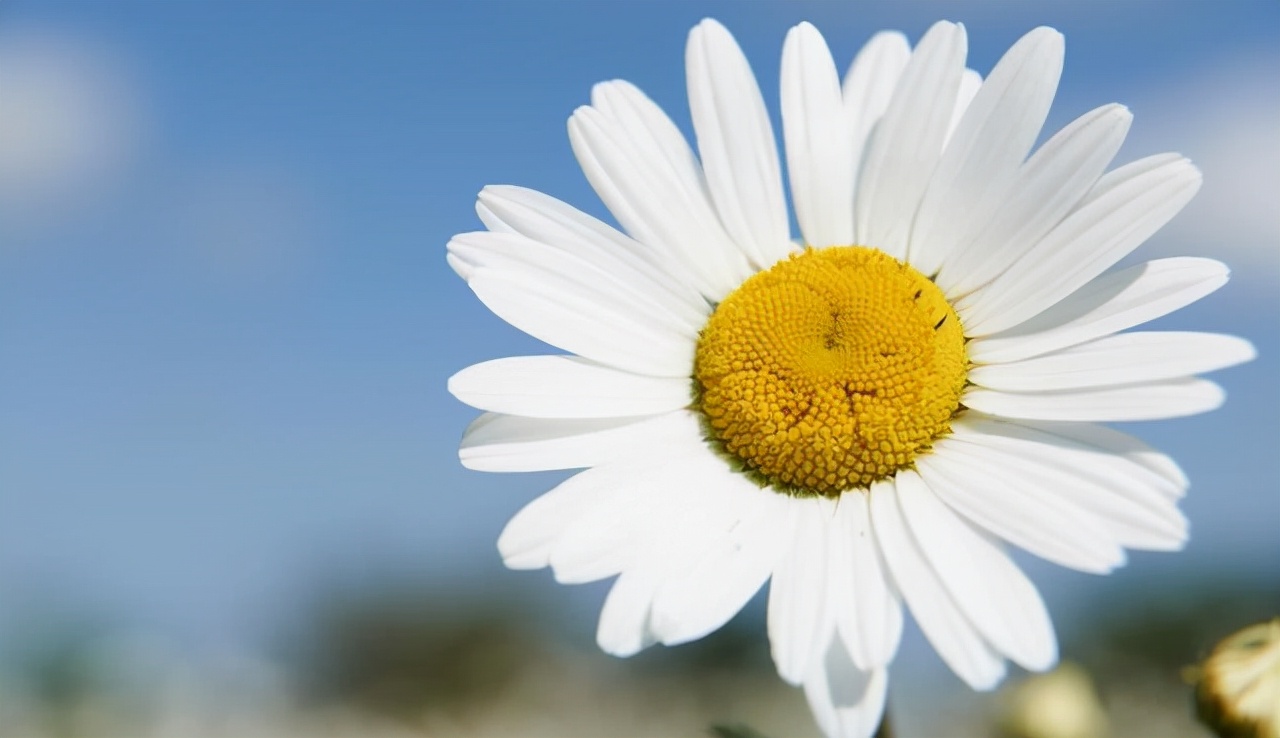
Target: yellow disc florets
<point x="831" y="370"/>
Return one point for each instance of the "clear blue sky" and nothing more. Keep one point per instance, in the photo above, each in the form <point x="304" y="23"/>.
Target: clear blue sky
<point x="226" y="320"/>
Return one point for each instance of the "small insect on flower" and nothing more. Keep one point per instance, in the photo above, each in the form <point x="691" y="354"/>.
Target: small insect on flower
<point x="863" y="419"/>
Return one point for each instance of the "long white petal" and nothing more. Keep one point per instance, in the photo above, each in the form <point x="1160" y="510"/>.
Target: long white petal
<point x="1126" y="508"/>
<point x="816" y="131"/>
<point x="1047" y="187"/>
<point x="869" y="84"/>
<point x="736" y="557"/>
<point x="1109" y="304"/>
<point x="505" y="208"/>
<point x="1171" y="398"/>
<point x="868" y="614"/>
<point x="950" y="631"/>
<point x="964" y="478"/>
<point x="1125" y="358"/>
<point x="566" y="387"/>
<point x="982" y="158"/>
<point x="1112" y="451"/>
<point x="847" y="702"/>
<point x="575" y="306"/>
<point x="904" y="149"/>
<point x="798" y="591"/>
<point x="653" y="190"/>
<point x="528" y="538"/>
<point x="628" y="508"/>
<point x="510" y="443"/>
<point x="736" y="142"/>
<point x="1124" y="209"/>
<point x="991" y="590"/>
<point x="627" y="620"/>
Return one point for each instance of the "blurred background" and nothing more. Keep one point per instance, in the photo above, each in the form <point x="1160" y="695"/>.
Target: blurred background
<point x="230" y="503"/>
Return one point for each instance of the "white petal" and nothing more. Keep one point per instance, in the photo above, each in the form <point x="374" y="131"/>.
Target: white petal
<point x="645" y="173"/>
<point x="869" y="84"/>
<point x="573" y="305"/>
<point x="705" y="500"/>
<point x="944" y="624"/>
<point x="735" y="140"/>
<point x="1125" y="358"/>
<point x="1125" y="208"/>
<point x="970" y="83"/>
<point x="623" y="629"/>
<point x="510" y="443"/>
<point x="543" y="218"/>
<point x="798" y="609"/>
<point x="565" y="387"/>
<point x="816" y="130"/>
<point x="631" y="500"/>
<point x="1123" y="500"/>
<point x="981" y="161"/>
<point x="1152" y="401"/>
<point x="1108" y="304"/>
<point x="993" y="592"/>
<point x="1046" y="188"/>
<point x="964" y="477"/>
<point x="907" y="142"/>
<point x="868" y="613"/>
<point x="528" y="538"/>
<point x="846" y="701"/>
<point x="1112" y="450"/>
<point x="737" y="555"/>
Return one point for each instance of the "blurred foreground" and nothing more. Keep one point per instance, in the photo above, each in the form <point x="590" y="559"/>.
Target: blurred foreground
<point x="393" y="662"/>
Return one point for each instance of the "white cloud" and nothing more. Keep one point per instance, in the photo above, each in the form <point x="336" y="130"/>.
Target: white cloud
<point x="69" y="120"/>
<point x="1226" y="118"/>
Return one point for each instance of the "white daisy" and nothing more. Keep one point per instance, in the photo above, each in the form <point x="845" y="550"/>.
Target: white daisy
<point x="864" y="420"/>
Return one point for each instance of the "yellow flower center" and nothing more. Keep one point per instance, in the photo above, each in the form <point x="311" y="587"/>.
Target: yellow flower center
<point x="831" y="370"/>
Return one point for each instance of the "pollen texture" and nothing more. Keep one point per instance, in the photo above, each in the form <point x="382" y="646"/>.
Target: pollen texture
<point x="831" y="370"/>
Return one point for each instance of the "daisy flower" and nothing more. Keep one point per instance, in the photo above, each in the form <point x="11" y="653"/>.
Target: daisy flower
<point x="865" y="417"/>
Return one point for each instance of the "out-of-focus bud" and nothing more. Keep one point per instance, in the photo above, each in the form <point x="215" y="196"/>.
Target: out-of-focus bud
<point x="1060" y="704"/>
<point x="1238" y="686"/>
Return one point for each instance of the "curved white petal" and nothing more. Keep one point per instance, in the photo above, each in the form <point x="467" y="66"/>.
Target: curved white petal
<point x="963" y="477"/>
<point x="737" y="555"/>
<point x="1171" y="398"/>
<point x="869" y="84"/>
<point x="970" y="83"/>
<point x="704" y="499"/>
<point x="573" y="305"/>
<point x="987" y="586"/>
<point x="528" y="538"/>
<point x="950" y="631"/>
<point x="1125" y="358"/>
<point x="1111" y="450"/>
<point x="816" y="131"/>
<point x="904" y="149"/>
<point x="1047" y="187"/>
<point x="1109" y="304"/>
<point x="1124" y="209"/>
<point x="566" y="387"/>
<point x="629" y="502"/>
<point x="644" y="172"/>
<point x="981" y="160"/>
<point x="736" y="142"/>
<point x="1123" y="501"/>
<point x="505" y="208"/>
<point x="510" y="443"/>
<point x="846" y="701"/>
<point x="798" y="601"/>
<point x="867" y="612"/>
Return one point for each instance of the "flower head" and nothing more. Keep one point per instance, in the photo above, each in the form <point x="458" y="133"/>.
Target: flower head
<point x="863" y="418"/>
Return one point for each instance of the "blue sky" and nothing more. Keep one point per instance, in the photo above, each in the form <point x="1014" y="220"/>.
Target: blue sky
<point x="226" y="321"/>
